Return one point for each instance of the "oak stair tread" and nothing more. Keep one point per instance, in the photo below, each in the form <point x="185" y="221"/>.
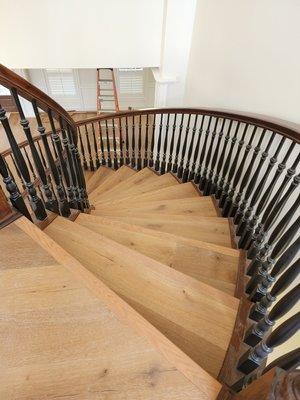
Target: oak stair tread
<point x="67" y="335"/>
<point x="214" y="265"/>
<point x="98" y="178"/>
<point x="214" y="230"/>
<point x="196" y="317"/>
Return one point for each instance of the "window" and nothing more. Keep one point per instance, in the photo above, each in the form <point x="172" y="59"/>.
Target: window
<point x="4" y="91"/>
<point x="61" y="82"/>
<point x="131" y="81"/>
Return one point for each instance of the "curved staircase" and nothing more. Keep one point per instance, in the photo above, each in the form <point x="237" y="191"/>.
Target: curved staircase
<point x="142" y="283"/>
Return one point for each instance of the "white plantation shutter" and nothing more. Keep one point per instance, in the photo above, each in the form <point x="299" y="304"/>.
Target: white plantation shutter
<point x="131" y="81"/>
<point x="61" y="82"/>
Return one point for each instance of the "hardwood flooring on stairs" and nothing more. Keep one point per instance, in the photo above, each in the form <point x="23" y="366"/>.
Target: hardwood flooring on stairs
<point x="66" y="335"/>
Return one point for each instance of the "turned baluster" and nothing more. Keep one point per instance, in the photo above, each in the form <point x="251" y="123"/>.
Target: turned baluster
<point x="191" y="176"/>
<point x="184" y="146"/>
<point x="62" y="201"/>
<point x="133" y="143"/>
<point x="172" y="143"/>
<point x="236" y="203"/>
<point x="103" y="160"/>
<point x="158" y="148"/>
<point x="204" y="176"/>
<point x="186" y="172"/>
<point x="35" y="202"/>
<point x="146" y="155"/>
<point x="250" y="234"/>
<point x="109" y="164"/>
<point x="253" y="358"/>
<point x="289" y="361"/>
<point x="115" y="164"/>
<point x="259" y="330"/>
<point x="121" y="160"/>
<point x="95" y="146"/>
<point x="89" y="148"/>
<point x="178" y="144"/>
<point x="220" y="185"/>
<point x="127" y="158"/>
<point x="208" y="189"/>
<point x="151" y="160"/>
<point x="260" y="308"/>
<point x="203" y="153"/>
<point x="139" y="155"/>
<point x="82" y="149"/>
<point x="15" y="197"/>
<point x="260" y="186"/>
<point x="164" y="157"/>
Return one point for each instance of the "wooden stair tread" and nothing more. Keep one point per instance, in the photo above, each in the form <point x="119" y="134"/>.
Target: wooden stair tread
<point x="125" y="177"/>
<point x="186" y="190"/>
<point x="200" y="206"/>
<point x="214" y="265"/>
<point x="149" y="184"/>
<point x="119" y="176"/>
<point x="98" y="178"/>
<point x="207" y="229"/>
<point x="198" y="318"/>
<point x="97" y="342"/>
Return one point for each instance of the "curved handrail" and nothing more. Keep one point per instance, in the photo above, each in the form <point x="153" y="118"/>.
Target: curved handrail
<point x="28" y="91"/>
<point x="289" y="130"/>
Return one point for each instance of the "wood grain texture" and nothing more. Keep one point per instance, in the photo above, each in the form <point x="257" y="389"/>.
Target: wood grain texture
<point x="98" y="178"/>
<point x="196" y="317"/>
<point x="207" y="229"/>
<point x="207" y="387"/>
<point x="214" y="265"/>
<point x="118" y="177"/>
<point x="201" y="206"/>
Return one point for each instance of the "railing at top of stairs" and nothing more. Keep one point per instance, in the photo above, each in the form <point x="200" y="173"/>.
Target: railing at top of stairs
<point x="249" y="165"/>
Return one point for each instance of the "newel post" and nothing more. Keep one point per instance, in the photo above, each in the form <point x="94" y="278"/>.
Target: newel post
<point x="7" y="214"/>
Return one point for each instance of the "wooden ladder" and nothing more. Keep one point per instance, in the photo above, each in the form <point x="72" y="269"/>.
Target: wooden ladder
<point x="107" y="96"/>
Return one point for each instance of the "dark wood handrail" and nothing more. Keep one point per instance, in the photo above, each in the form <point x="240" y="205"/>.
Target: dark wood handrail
<point x="28" y="91"/>
<point x="289" y="130"/>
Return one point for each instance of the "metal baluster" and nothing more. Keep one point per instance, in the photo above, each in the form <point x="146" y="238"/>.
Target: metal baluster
<point x="169" y="165"/>
<point x="186" y="171"/>
<point x="183" y="150"/>
<point x="175" y="163"/>
<point x="15" y="197"/>
<point x="64" y="208"/>
<point x="253" y="358"/>
<point x="35" y="202"/>
<point x="95" y="146"/>
<point x="203" y="153"/>
<point x="196" y="152"/>
<point x="164" y="157"/>
<point x="159" y="140"/>
<point x="114" y="145"/>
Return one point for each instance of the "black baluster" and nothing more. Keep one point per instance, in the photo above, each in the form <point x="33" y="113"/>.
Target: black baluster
<point x="139" y="155"/>
<point x="95" y="146"/>
<point x="127" y="159"/>
<point x="133" y="161"/>
<point x="15" y="197"/>
<point x="169" y="165"/>
<point x="85" y="166"/>
<point x="236" y="203"/>
<point x="89" y="148"/>
<point x="109" y="164"/>
<point x="253" y="358"/>
<point x="35" y="201"/>
<point x="259" y="309"/>
<point x="250" y="234"/>
<point x="220" y="185"/>
<point x="258" y="331"/>
<point x="204" y="175"/>
<point x="186" y="171"/>
<point x="229" y="187"/>
<point x="184" y="147"/>
<point x="146" y="155"/>
<point x="164" y="156"/>
<point x="159" y="140"/>
<point x="114" y="145"/>
<point x="18" y="172"/>
<point x="203" y="153"/>
<point x="242" y="213"/>
<point x="151" y="160"/>
<point x="208" y="189"/>
<point x="178" y="144"/>
<point x="288" y="361"/>
<point x="29" y="164"/>
<point x="121" y="161"/>
<point x="64" y="208"/>
<point x="196" y="152"/>
<point x="103" y="161"/>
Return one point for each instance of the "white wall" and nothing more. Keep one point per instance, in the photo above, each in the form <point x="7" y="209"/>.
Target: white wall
<point x="245" y="56"/>
<point x="81" y="34"/>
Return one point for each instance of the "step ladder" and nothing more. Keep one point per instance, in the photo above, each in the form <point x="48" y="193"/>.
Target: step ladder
<point x="107" y="96"/>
